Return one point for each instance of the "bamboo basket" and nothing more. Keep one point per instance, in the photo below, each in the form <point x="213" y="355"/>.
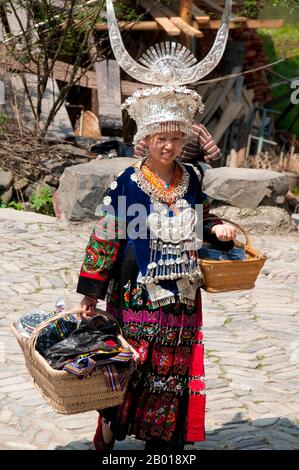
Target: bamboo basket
<point x="66" y="393"/>
<point x="233" y="275"/>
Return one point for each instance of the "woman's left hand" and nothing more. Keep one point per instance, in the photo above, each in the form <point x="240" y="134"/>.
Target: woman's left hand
<point x="224" y="232"/>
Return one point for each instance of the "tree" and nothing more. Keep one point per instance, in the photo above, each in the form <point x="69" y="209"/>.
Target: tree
<point x="48" y="31"/>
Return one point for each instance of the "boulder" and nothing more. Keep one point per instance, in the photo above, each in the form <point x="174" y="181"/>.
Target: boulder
<point x="82" y="187"/>
<point x="245" y="187"/>
<point x="5" y="179"/>
<point x="6" y="196"/>
<point x="263" y="219"/>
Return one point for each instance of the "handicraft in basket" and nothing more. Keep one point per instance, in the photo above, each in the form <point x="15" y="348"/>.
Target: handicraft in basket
<point x="64" y="392"/>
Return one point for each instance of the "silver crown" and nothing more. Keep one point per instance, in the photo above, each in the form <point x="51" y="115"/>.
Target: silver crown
<point x="166" y="57"/>
<point x="168" y="63"/>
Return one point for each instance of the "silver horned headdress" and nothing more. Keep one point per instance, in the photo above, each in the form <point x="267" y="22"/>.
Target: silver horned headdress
<point x="168" y="66"/>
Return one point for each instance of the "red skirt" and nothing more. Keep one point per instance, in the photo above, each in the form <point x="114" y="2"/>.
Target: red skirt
<point x="166" y="395"/>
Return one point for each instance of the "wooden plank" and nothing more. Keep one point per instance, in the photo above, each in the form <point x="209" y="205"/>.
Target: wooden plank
<point x="212" y="96"/>
<point x="211" y="24"/>
<point x="128" y="88"/>
<point x="199" y="15"/>
<point x="109" y="96"/>
<point x="222" y="93"/>
<point x="185" y="10"/>
<point x="156" y="11"/>
<point x="250" y="24"/>
<point x="132" y="26"/>
<point x="203" y="90"/>
<point x="180" y="23"/>
<point x="172" y="17"/>
<point x="227" y="118"/>
<point x="254" y="24"/>
<point x="186" y="15"/>
<point x="213" y="103"/>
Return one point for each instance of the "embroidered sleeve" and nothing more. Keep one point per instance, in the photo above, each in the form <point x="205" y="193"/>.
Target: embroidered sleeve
<point x="103" y="247"/>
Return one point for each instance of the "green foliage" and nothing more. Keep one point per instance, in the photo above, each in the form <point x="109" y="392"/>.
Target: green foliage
<point x="295" y="190"/>
<point x="42" y="201"/>
<point x="279" y="43"/>
<point x="291" y="5"/>
<point x="12" y="204"/>
<point x="124" y="11"/>
<point x="251" y="8"/>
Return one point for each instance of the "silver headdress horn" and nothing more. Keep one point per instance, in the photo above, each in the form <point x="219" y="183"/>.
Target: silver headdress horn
<point x="168" y="63"/>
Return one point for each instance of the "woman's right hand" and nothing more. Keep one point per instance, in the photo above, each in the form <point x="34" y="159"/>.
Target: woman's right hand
<point x="88" y="304"/>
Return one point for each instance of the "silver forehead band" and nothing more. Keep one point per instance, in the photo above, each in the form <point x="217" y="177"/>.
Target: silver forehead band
<point x="168" y="63"/>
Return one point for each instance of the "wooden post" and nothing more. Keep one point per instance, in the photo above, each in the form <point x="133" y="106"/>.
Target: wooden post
<point x="109" y="96"/>
<point x="186" y="15"/>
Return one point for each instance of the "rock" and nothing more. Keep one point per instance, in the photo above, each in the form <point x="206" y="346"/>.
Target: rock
<point x="26" y="217"/>
<point x="245" y="187"/>
<point x="68" y="149"/>
<point x="51" y="180"/>
<point x="82" y="187"/>
<point x="31" y="188"/>
<point x="5" y="179"/>
<point x="6" y="196"/>
<point x="263" y="219"/>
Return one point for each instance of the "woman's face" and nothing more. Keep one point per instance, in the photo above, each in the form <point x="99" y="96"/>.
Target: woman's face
<point x="164" y="147"/>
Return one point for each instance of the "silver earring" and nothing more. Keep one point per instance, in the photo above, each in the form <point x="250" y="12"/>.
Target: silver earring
<point x="146" y="152"/>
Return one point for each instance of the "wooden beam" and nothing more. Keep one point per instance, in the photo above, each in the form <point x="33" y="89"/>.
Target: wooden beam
<point x="128" y="88"/>
<point x="226" y="119"/>
<point x="223" y="91"/>
<point x="172" y="17"/>
<point x="156" y="11"/>
<point x="129" y="25"/>
<point x="211" y="24"/>
<point x="185" y="10"/>
<point x="186" y="15"/>
<point x="250" y="24"/>
<point x="109" y="95"/>
<point x="254" y="24"/>
<point x="199" y="15"/>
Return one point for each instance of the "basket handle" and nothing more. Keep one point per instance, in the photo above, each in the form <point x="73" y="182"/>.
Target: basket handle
<point x="240" y="227"/>
<point x="75" y="311"/>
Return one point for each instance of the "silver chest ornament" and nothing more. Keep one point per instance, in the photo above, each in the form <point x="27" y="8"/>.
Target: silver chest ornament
<point x="172" y="229"/>
<point x="173" y="254"/>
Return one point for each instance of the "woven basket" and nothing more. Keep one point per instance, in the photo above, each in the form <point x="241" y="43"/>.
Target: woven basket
<point x="66" y="393"/>
<point x="229" y="275"/>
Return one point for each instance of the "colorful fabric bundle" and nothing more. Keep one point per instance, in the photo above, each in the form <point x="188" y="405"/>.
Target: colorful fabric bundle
<point x="81" y="368"/>
<point x="52" y="334"/>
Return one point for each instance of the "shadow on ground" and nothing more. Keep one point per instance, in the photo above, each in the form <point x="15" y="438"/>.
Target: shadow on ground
<point x="271" y="433"/>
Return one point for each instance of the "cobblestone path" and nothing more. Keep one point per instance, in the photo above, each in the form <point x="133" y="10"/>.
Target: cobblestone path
<point x="251" y="343"/>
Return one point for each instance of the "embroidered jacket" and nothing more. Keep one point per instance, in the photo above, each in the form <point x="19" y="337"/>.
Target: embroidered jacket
<point x="117" y="227"/>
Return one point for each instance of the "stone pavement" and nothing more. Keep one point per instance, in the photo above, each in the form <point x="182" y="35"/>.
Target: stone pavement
<point x="251" y="343"/>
